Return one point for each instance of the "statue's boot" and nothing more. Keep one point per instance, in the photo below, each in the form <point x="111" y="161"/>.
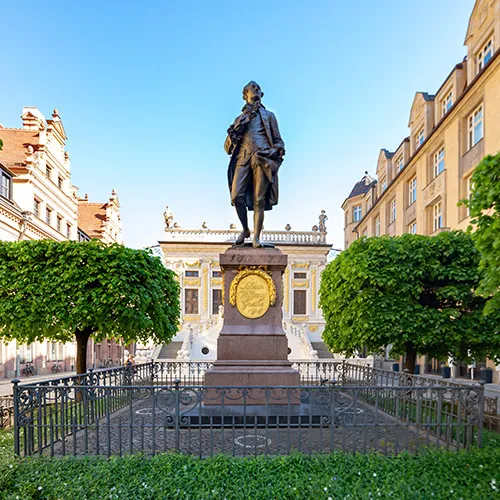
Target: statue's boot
<point x="258" y="222"/>
<point x="241" y="238"/>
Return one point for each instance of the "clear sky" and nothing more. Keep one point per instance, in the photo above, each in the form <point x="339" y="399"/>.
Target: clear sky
<point x="146" y="91"/>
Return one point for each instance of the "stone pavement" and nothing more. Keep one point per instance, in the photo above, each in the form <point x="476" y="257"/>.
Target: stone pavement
<point x="6" y="383"/>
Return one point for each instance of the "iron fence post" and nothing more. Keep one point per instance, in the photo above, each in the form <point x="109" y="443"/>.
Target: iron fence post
<point x="177" y="413"/>
<point x="16" y="416"/>
<point x="480" y="415"/>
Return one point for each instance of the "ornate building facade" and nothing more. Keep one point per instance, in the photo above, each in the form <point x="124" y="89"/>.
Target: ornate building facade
<point x="194" y="256"/>
<point x="39" y="201"/>
<point x="419" y="184"/>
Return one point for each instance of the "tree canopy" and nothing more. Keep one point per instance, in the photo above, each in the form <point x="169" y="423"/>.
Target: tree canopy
<point x="414" y="292"/>
<point x="484" y="208"/>
<point x="56" y="291"/>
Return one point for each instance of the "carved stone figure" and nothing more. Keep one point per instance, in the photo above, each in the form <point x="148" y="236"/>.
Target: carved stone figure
<point x="322" y="221"/>
<point x="257" y="149"/>
<point x="168" y="216"/>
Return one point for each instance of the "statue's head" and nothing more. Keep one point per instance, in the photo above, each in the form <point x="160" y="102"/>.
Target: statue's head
<point x="252" y="92"/>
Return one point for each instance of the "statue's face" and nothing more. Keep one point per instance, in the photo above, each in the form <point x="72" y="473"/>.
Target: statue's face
<point x="253" y="92"/>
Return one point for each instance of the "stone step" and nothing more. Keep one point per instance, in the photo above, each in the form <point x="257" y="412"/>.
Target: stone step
<point x="169" y="351"/>
<point x="322" y="350"/>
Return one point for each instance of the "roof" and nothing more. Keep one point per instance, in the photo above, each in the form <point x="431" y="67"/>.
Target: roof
<point x="362" y="187"/>
<point x="91" y="217"/>
<point x="15" y="145"/>
<point x="388" y="154"/>
<point x="428" y="97"/>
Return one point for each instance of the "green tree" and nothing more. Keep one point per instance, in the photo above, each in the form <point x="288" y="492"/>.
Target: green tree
<point x="59" y="291"/>
<point x="1" y="144"/>
<point x="484" y="208"/>
<point x="414" y="292"/>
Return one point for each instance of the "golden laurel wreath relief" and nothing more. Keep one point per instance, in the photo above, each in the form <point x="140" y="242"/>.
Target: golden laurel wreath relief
<point x="252" y="291"/>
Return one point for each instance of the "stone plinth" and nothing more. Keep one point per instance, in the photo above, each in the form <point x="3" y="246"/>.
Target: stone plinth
<point x="251" y="351"/>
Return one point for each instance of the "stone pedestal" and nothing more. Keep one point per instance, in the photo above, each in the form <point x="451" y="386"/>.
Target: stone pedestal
<point x="252" y="350"/>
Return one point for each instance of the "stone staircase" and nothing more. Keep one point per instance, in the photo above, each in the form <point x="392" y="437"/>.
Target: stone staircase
<point x="169" y="351"/>
<point x="322" y="350"/>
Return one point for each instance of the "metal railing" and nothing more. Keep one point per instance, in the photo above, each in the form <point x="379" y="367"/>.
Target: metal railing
<point x="340" y="406"/>
<point x="6" y="411"/>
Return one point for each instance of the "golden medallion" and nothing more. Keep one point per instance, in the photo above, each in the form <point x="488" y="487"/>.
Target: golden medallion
<point x="252" y="291"/>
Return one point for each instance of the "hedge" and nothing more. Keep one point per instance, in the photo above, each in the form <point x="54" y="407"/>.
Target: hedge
<point x="431" y="474"/>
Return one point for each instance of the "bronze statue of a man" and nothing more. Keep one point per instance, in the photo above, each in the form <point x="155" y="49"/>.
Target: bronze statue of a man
<point x="257" y="149"/>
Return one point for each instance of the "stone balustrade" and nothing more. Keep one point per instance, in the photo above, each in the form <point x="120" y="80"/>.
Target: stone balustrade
<point x="230" y="235"/>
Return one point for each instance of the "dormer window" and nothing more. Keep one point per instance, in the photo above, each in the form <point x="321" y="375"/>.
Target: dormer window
<point x="485" y="54"/>
<point x="383" y="185"/>
<point x="399" y="164"/>
<point x="447" y="103"/>
<point x="419" y="139"/>
<point x="356" y="213"/>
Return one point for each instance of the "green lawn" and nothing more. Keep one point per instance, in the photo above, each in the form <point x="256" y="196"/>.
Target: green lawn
<point x="432" y="474"/>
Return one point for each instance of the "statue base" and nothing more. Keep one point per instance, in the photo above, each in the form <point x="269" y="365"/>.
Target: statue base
<point x="252" y="348"/>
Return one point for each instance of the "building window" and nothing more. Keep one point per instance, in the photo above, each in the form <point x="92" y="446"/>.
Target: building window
<point x="419" y="139"/>
<point x="82" y="236"/>
<point x="6" y="185"/>
<point x="26" y="353"/>
<point x="356" y="213"/>
<point x="36" y="207"/>
<point x="365" y="232"/>
<point x="68" y="231"/>
<point x="299" y="302"/>
<point x="216" y="300"/>
<point x="392" y="213"/>
<point x="377" y="226"/>
<point x="383" y="185"/>
<point x="399" y="164"/>
<point x="54" y="351"/>
<point x="48" y="215"/>
<point x="412" y="191"/>
<point x="191" y="274"/>
<point x="412" y="228"/>
<point x="190" y="301"/>
<point x="216" y="274"/>
<point x="299" y="276"/>
<point x="476" y="129"/>
<point x="59" y="183"/>
<point x="438" y="216"/>
<point x="58" y="223"/>
<point x="485" y="55"/>
<point x="369" y="202"/>
<point x="439" y="162"/>
<point x="469" y="192"/>
<point x="48" y="172"/>
<point x="447" y="103"/>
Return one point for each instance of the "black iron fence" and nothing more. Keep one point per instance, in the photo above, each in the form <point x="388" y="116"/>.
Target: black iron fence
<point x="340" y="406"/>
<point x="6" y="411"/>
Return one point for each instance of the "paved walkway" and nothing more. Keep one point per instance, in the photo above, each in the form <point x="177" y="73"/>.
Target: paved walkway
<point x="6" y="384"/>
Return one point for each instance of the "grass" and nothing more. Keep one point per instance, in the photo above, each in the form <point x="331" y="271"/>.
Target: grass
<point x="431" y="474"/>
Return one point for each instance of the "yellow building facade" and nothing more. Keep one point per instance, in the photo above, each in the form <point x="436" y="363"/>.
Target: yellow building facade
<point x="418" y="185"/>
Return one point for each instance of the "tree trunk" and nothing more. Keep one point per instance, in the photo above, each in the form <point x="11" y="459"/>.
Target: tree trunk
<point x="82" y="338"/>
<point x="411" y="357"/>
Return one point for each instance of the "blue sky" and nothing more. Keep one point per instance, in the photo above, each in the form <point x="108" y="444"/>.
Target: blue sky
<point x="146" y="91"/>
